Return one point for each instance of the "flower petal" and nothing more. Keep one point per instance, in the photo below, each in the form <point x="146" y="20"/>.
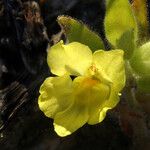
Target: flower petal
<point x="73" y="58"/>
<point x="77" y="115"/>
<point x="55" y="95"/>
<point x="112" y="64"/>
<point x="99" y="96"/>
<point x="100" y="112"/>
<point x="65" y="123"/>
<point x="92" y="93"/>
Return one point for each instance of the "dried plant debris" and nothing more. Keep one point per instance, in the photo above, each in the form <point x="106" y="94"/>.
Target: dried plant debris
<point x="23" y="43"/>
<point x="11" y="99"/>
<point x="35" y="30"/>
<point x="34" y="39"/>
<point x="23" y="31"/>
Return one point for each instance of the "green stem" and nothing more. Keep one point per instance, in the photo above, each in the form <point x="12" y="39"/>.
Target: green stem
<point x="130" y="86"/>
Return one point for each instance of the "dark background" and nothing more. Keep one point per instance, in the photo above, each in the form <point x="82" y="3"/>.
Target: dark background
<point x="23" y="43"/>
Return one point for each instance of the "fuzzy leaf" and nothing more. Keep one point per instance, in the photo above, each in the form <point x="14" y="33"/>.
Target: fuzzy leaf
<point x="77" y="31"/>
<point x="143" y="84"/>
<point x="140" y="61"/>
<point x="120" y="25"/>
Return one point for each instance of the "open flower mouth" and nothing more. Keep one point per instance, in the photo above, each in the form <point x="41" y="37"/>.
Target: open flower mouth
<point x="89" y="82"/>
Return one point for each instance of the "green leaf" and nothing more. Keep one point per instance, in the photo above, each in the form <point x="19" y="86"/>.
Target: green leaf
<point x="140" y="61"/>
<point x="120" y="25"/>
<point x="77" y="31"/>
<point x="143" y="84"/>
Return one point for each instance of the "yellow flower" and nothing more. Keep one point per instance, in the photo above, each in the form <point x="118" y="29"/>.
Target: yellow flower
<point x="98" y="80"/>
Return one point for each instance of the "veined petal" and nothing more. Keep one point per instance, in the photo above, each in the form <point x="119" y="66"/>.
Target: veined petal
<point x="73" y="58"/>
<point x="93" y="94"/>
<point x="113" y="99"/>
<point x="89" y="94"/>
<point x="109" y="104"/>
<point x="112" y="64"/>
<point x="100" y="112"/>
<point x="68" y="121"/>
<point x="76" y="115"/>
<point x="55" y="95"/>
<point x="99" y="96"/>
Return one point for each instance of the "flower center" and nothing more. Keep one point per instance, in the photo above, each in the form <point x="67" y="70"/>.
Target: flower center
<point x="94" y="83"/>
<point x="89" y="82"/>
<point x="92" y="70"/>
